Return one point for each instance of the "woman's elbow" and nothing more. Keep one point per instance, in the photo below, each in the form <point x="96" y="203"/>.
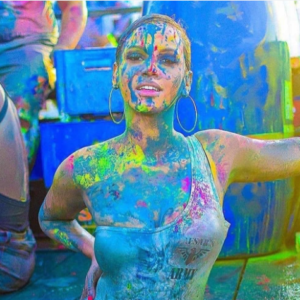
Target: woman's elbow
<point x="43" y="220"/>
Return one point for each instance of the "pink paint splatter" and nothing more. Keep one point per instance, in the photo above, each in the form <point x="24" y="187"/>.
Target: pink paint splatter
<point x="179" y="221"/>
<point x="263" y="280"/>
<point x="70" y="164"/>
<point x="169" y="219"/>
<point x="204" y="192"/>
<point x="222" y="173"/>
<point x="141" y="203"/>
<point x="185" y="184"/>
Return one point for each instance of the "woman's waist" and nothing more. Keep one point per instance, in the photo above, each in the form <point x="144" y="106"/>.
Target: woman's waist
<point x="135" y="287"/>
<point x="24" y="36"/>
<point x="13" y="214"/>
<point x="143" y="261"/>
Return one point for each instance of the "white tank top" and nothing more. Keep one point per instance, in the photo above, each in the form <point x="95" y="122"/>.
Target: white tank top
<point x="171" y="262"/>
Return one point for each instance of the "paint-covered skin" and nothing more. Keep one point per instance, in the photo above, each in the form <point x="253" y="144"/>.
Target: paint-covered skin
<point x="169" y="261"/>
<point x="153" y="56"/>
<point x="236" y="158"/>
<point x="155" y="50"/>
<point x="28" y="30"/>
<point x="141" y="179"/>
<point x="130" y="189"/>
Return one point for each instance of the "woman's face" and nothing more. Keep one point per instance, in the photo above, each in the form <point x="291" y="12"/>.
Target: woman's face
<point x="151" y="73"/>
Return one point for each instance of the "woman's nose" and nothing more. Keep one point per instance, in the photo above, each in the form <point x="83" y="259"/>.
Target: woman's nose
<point x="151" y="67"/>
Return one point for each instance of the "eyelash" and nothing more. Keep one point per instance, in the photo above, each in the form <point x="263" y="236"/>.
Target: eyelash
<point x="169" y="61"/>
<point x="135" y="57"/>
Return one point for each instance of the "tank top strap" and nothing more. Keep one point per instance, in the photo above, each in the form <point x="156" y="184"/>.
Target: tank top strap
<point x="4" y="108"/>
<point x="202" y="173"/>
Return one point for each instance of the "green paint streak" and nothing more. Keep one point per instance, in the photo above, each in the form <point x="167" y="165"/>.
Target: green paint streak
<point x="63" y="238"/>
<point x="274" y="257"/>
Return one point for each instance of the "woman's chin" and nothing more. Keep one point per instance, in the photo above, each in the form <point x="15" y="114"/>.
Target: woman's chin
<point x="148" y="110"/>
<point x="147" y="107"/>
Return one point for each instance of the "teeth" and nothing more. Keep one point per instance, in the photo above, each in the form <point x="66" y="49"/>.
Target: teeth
<point x="148" y="87"/>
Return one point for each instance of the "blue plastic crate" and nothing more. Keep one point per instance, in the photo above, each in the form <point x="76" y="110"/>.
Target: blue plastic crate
<point x="84" y="81"/>
<point x="59" y="140"/>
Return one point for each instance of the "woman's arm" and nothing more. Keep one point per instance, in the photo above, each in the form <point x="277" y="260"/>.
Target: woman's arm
<point x="59" y="209"/>
<point x="73" y="21"/>
<point x="236" y="158"/>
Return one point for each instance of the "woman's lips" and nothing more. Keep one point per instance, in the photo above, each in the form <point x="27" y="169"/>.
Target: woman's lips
<point x="148" y="90"/>
<point x="147" y="93"/>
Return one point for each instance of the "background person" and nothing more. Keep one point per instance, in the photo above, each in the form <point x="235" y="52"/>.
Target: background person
<point x="155" y="195"/>
<point x="28" y="37"/>
<point x="105" y="30"/>
<point x="17" y="244"/>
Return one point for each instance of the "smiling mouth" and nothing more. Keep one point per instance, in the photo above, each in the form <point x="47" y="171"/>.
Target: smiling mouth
<point x="146" y="87"/>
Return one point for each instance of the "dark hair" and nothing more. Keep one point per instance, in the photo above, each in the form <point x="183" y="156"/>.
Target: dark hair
<point x="157" y="18"/>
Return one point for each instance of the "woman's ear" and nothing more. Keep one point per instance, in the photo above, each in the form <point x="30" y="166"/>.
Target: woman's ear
<point x="188" y="79"/>
<point x="115" y="83"/>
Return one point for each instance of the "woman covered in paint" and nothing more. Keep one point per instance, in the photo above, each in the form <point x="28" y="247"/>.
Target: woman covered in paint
<point x="28" y="36"/>
<point x="17" y="244"/>
<point x="155" y="195"/>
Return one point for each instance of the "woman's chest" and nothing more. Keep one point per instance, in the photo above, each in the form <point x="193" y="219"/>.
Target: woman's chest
<point x="179" y="250"/>
<point x="139" y="197"/>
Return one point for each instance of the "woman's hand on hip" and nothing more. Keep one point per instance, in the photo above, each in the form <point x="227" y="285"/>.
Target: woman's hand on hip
<point x="92" y="277"/>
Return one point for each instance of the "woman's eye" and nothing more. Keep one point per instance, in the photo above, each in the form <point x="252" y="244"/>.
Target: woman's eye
<point x="169" y="60"/>
<point x="134" y="57"/>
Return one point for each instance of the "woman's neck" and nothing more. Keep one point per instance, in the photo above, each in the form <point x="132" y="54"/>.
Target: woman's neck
<point x="154" y="133"/>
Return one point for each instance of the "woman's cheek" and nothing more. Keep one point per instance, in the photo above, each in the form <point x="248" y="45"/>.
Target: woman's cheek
<point x="178" y="84"/>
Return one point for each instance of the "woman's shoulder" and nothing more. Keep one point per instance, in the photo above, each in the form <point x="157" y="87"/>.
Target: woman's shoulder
<point x="220" y="146"/>
<point x="211" y="134"/>
<point x="210" y="139"/>
<point x="89" y="164"/>
<point x="93" y="153"/>
<point x="217" y="147"/>
<point x="213" y="139"/>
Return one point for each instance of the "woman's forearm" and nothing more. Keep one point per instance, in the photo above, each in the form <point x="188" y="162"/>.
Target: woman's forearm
<point x="70" y="234"/>
<point x="73" y="21"/>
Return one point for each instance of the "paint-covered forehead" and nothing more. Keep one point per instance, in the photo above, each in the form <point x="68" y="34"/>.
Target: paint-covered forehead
<point x="155" y="34"/>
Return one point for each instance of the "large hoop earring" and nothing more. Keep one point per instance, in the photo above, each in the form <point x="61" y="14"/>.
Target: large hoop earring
<point x="109" y="107"/>
<point x="196" y="113"/>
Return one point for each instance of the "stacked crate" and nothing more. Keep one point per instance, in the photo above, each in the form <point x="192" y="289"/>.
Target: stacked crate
<point x="83" y="85"/>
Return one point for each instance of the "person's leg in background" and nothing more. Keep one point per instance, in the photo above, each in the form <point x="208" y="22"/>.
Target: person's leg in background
<point x="17" y="258"/>
<point x="27" y="73"/>
<point x="17" y="243"/>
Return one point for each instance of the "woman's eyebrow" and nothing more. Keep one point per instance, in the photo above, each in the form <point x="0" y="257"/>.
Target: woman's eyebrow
<point x="136" y="48"/>
<point x="168" y="50"/>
